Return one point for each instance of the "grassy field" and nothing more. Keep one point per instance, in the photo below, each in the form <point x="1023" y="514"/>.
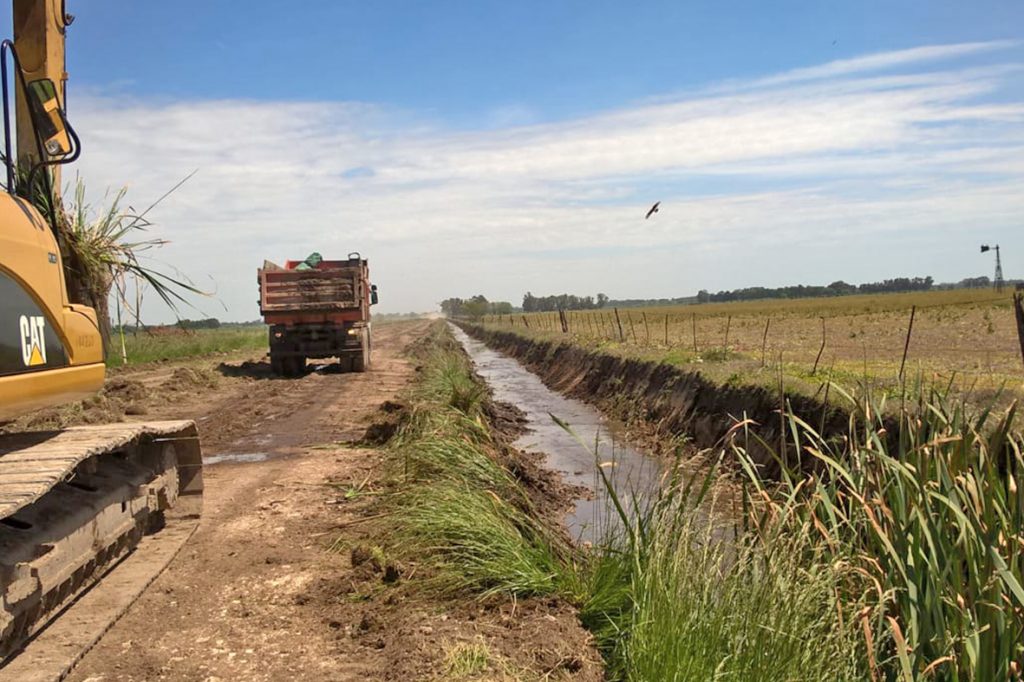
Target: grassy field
<point x="176" y="344"/>
<point x="966" y="336"/>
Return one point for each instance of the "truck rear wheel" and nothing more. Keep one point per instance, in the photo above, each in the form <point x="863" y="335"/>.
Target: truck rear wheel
<point x="361" y="362"/>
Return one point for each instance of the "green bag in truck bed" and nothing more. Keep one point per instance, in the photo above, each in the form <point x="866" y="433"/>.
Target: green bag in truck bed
<point x="312" y="261"/>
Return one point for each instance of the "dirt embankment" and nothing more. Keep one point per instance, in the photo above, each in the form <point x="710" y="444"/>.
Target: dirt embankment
<point x="663" y="399"/>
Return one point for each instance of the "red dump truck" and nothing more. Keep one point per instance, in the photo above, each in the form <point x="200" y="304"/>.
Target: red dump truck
<point x="317" y="308"/>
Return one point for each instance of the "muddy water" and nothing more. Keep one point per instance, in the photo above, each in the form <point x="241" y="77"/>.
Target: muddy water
<point x="241" y="457"/>
<point x="632" y="475"/>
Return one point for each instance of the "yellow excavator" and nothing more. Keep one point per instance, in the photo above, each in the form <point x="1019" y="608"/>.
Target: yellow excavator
<point x="88" y="515"/>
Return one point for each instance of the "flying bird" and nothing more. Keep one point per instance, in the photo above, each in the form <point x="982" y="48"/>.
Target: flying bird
<point x="654" y="209"/>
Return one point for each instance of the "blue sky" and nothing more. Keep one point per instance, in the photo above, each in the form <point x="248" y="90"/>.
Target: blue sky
<point x="497" y="147"/>
<point x="464" y="61"/>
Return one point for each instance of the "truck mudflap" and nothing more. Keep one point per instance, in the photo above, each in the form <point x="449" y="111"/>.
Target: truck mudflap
<point x="74" y="506"/>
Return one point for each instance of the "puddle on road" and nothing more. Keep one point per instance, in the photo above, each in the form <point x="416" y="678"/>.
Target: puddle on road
<point x="236" y="457"/>
<point x="632" y="474"/>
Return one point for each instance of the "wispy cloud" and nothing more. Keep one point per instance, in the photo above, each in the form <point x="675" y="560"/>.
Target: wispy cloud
<point x="881" y="61"/>
<point x="799" y="176"/>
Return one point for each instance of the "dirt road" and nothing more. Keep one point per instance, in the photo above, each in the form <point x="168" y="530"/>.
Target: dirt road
<point x="246" y="598"/>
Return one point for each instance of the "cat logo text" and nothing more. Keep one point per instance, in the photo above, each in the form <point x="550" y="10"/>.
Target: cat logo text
<point x="33" y="341"/>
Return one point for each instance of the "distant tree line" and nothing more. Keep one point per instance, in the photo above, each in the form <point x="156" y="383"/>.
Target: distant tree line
<point x="478" y="305"/>
<point x="837" y="288"/>
<point x="207" y="323"/>
<point x="974" y="283"/>
<point x="649" y="302"/>
<point x="541" y="304"/>
<point x="475" y="307"/>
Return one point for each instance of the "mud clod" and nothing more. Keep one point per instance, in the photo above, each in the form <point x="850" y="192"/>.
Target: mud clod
<point x="391" y="574"/>
<point x="369" y="622"/>
<point x="249" y="368"/>
<point x="189" y="378"/>
<point x="382" y="430"/>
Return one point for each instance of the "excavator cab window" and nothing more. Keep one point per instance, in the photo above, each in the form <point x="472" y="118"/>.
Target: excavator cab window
<point x="48" y="118"/>
<point x="373" y="294"/>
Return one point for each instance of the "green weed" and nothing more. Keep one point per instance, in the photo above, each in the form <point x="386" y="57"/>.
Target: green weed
<point x="934" y="517"/>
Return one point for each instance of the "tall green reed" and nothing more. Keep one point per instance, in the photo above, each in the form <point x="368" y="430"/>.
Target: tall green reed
<point x="929" y="508"/>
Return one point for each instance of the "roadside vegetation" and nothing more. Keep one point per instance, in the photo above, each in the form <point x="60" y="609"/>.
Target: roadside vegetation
<point x="457" y="503"/>
<point x="933" y="517"/>
<point x="176" y="344"/>
<point x="901" y="557"/>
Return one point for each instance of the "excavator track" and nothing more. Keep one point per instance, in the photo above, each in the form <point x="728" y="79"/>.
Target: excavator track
<point x="90" y="505"/>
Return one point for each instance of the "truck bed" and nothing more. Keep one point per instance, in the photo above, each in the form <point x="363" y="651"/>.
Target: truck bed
<point x="333" y="289"/>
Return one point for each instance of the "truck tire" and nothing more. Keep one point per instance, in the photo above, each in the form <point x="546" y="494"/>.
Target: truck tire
<point x="276" y="365"/>
<point x="361" y="362"/>
<point x="296" y="365"/>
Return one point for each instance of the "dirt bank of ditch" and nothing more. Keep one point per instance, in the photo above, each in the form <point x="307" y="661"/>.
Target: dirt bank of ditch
<point x="666" y="401"/>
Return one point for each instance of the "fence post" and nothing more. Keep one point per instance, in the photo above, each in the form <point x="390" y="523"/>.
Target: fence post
<point x="632" y="330"/>
<point x="526" y="322"/>
<point x="666" y="329"/>
<point x="693" y="321"/>
<point x="1018" y="308"/>
<point x="820" y="350"/>
<point x="647" y="330"/>
<point x="728" y="322"/>
<point x="764" y="339"/>
<point x="618" y="322"/>
<point x="906" y="344"/>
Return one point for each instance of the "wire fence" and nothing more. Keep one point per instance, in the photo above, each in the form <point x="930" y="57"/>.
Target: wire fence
<point x="977" y="339"/>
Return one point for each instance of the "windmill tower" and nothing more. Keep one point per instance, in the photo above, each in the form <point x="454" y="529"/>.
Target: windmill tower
<point x="997" y="281"/>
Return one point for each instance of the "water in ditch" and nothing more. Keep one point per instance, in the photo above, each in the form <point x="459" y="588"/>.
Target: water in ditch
<point x="633" y="475"/>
